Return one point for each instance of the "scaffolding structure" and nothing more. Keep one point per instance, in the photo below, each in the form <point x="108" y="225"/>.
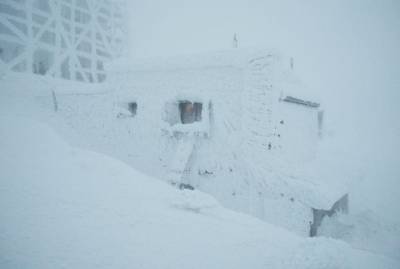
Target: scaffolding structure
<point x="70" y="39"/>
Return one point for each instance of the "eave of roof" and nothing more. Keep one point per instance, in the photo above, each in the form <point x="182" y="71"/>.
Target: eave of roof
<point x="291" y="99"/>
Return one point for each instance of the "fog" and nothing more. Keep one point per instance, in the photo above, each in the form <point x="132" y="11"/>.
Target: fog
<point x="345" y="51"/>
<point x="221" y="158"/>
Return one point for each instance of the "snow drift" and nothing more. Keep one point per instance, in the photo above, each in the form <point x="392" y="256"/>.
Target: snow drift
<point x="64" y="207"/>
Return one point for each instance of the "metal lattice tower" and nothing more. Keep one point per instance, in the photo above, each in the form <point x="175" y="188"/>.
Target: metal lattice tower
<point x="68" y="39"/>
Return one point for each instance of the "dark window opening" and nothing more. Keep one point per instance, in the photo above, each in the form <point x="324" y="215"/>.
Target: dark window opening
<point x="190" y="112"/>
<point x="341" y="205"/>
<point x="132" y="107"/>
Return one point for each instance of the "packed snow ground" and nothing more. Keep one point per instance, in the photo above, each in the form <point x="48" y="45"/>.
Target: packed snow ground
<point x="65" y="207"/>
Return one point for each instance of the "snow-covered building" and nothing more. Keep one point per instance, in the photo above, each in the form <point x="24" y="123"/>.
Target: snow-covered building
<point x="236" y="124"/>
<point x="70" y="39"/>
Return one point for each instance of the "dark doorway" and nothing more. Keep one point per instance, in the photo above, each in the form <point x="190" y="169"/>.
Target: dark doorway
<point x="341" y="205"/>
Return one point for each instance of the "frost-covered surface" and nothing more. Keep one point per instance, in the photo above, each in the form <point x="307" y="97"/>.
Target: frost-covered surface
<point x="248" y="151"/>
<point x="227" y="164"/>
<point x="253" y="160"/>
<point x="65" y="207"/>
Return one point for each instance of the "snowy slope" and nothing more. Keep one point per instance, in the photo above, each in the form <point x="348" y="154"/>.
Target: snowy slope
<point x="64" y="207"/>
<point x="87" y="117"/>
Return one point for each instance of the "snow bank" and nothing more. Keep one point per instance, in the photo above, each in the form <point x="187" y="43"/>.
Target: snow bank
<point x="64" y="207"/>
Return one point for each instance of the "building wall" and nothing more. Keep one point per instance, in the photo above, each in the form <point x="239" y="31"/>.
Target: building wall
<point x="233" y="163"/>
<point x="69" y="39"/>
<point x="296" y="131"/>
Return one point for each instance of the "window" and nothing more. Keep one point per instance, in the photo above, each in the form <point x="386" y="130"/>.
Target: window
<point x="132" y="107"/>
<point x="190" y="112"/>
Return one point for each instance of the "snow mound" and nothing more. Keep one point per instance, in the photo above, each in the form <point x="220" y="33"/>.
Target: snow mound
<point x="63" y="207"/>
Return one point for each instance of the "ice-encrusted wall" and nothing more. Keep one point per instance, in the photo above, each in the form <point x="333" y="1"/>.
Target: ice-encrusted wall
<point x="242" y="152"/>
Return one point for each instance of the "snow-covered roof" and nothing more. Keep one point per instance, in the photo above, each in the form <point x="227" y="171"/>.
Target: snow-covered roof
<point x="238" y="58"/>
<point x="302" y="182"/>
<point x="286" y="79"/>
<point x="313" y="192"/>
